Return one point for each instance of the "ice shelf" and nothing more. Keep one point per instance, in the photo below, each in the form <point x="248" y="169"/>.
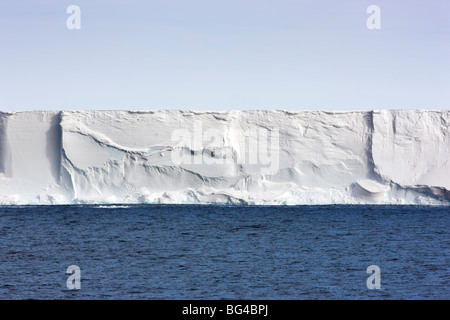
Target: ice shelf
<point x="227" y="157"/>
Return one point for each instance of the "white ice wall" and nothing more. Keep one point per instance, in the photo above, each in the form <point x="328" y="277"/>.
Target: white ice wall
<point x="30" y="153"/>
<point x="413" y="147"/>
<point x="262" y="157"/>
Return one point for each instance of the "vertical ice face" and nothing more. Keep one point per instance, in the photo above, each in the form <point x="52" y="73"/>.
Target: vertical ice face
<point x="5" y="156"/>
<point x="30" y="153"/>
<point x="245" y="154"/>
<point x="260" y="157"/>
<point x="412" y="148"/>
<point x="34" y="144"/>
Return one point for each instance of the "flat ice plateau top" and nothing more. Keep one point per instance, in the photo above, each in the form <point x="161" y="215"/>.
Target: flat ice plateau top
<point x="242" y="157"/>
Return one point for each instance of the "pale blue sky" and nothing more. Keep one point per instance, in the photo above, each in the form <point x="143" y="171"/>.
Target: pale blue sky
<point x="224" y="54"/>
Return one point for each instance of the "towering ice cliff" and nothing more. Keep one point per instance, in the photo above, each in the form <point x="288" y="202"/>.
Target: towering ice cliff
<point x="256" y="157"/>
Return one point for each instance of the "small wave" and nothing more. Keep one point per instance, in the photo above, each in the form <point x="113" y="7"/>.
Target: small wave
<point x="113" y="206"/>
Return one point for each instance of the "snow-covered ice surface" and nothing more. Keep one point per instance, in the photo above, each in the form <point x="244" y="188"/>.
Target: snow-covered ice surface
<point x="248" y="157"/>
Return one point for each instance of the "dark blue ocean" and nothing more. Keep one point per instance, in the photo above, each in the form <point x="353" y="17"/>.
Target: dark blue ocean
<point x="224" y="252"/>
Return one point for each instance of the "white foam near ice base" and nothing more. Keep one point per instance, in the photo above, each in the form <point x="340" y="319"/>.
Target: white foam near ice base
<point x="101" y="157"/>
